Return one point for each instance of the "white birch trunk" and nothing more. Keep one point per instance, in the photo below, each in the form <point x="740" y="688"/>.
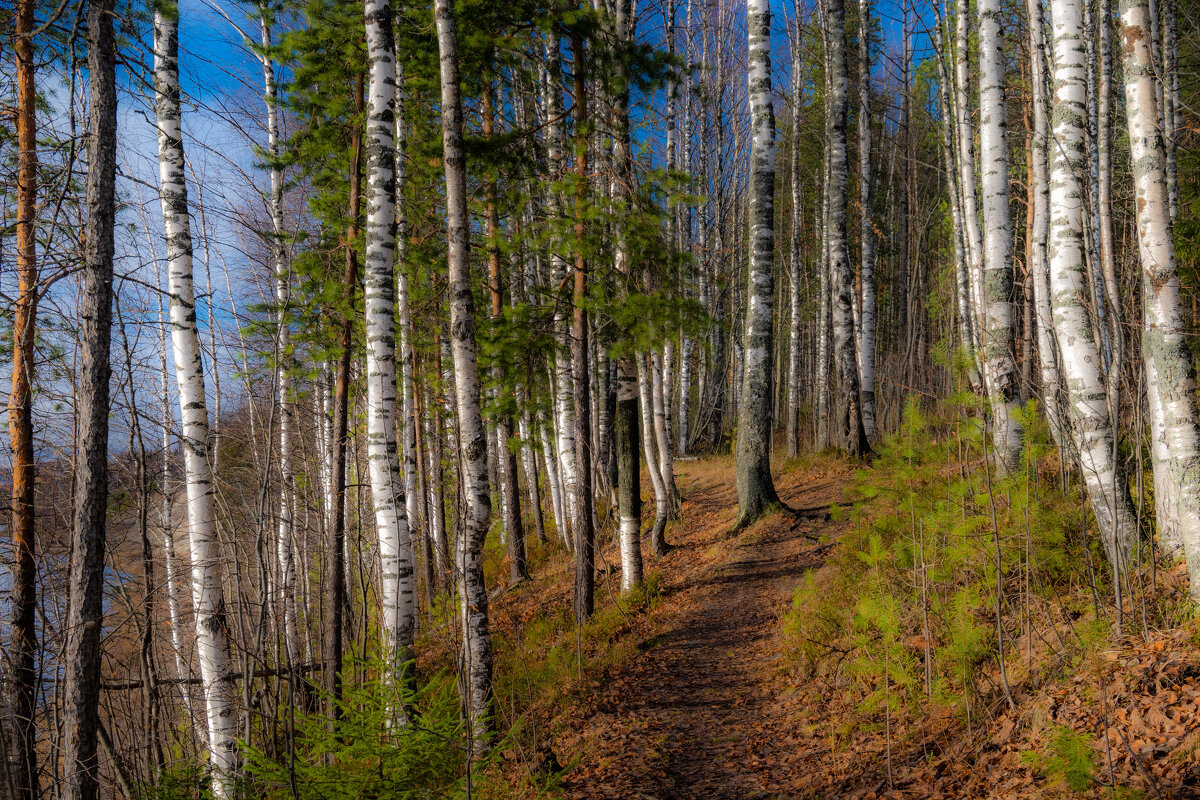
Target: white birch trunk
<point x="208" y="597"/>
<point x="662" y="423"/>
<point x="476" y="681"/>
<point x="1091" y="426"/>
<point x="755" y="486"/>
<point x="866" y="339"/>
<point x="851" y="433"/>
<point x="1170" y="375"/>
<point x="662" y="501"/>
<point x="972" y="239"/>
<point x="1000" y="370"/>
<point x="397" y="576"/>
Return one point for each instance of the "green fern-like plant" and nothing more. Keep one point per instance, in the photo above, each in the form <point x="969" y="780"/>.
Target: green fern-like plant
<point x="1070" y="759"/>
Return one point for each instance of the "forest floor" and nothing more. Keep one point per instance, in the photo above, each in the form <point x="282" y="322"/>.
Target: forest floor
<point x="702" y="711"/>
<point x="693" y="691"/>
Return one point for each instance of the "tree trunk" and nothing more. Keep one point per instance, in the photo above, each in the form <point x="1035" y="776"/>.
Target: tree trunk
<point x="851" y="433"/>
<point x="398" y="577"/>
<point x="1091" y="426"/>
<point x="755" y="487"/>
<point x="1000" y="372"/>
<point x="476" y="670"/>
<point x="518" y="570"/>
<point x="81" y="695"/>
<point x="23" y="644"/>
<point x="336" y="559"/>
<point x="1170" y="374"/>
<point x="284" y="540"/>
<point x="208" y="600"/>
<point x="866" y="331"/>
<point x="629" y="486"/>
<point x="1048" y="357"/>
<point x="585" y="573"/>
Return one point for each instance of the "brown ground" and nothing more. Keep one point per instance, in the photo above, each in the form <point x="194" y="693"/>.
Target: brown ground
<point x="699" y="697"/>
<point x="702" y="712"/>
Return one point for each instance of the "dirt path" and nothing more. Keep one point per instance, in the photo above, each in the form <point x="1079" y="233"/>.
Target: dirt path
<point x="701" y="712"/>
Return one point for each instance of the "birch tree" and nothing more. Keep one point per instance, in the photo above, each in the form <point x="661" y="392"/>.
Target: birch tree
<point x="208" y="597"/>
<point x="851" y="433"/>
<point x="1090" y="424"/>
<point x="866" y="327"/>
<point x="755" y="486"/>
<point x="397" y="590"/>
<point x="1170" y="373"/>
<point x="476" y="681"/>
<point x="1000" y="371"/>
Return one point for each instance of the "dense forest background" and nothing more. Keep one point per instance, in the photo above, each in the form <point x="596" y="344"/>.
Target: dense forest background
<point x="329" y="326"/>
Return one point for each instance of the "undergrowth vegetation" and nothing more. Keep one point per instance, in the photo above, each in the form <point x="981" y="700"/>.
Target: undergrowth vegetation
<point x="957" y="588"/>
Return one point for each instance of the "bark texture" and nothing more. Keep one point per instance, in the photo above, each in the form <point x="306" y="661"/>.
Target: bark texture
<point x="755" y="486"/>
<point x="81" y="694"/>
<point x="1170" y="374"/>
<point x="476" y="669"/>
<point x="208" y="595"/>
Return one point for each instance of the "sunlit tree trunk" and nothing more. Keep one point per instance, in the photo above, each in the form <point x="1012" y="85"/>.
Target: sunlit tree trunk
<point x="1091" y="427"/>
<point x="397" y="575"/>
<point x="23" y="643"/>
<point x="851" y="433"/>
<point x="1000" y="371"/>
<point x="476" y="668"/>
<point x="208" y="599"/>
<point x="1039" y="274"/>
<point x="1170" y="374"/>
<point x="755" y="486"/>
<point x="866" y="328"/>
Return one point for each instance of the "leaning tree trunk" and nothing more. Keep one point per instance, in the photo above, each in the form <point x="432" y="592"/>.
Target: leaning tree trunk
<point x="398" y="577"/>
<point x="866" y="332"/>
<point x="208" y="599"/>
<point x="476" y="670"/>
<point x="1170" y="374"/>
<point x="1000" y="371"/>
<point x="851" y="433"/>
<point x="1091" y="426"/>
<point x="81" y="695"/>
<point x="755" y="486"/>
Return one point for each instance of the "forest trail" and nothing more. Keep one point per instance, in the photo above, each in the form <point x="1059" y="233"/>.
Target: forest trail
<point x="702" y="711"/>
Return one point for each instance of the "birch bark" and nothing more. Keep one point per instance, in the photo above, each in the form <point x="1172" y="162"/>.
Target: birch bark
<point x="1000" y="372"/>
<point x="755" y="486"/>
<point x="1170" y="375"/>
<point x="397" y="575"/>
<point x="866" y="332"/>
<point x="1091" y="426"/>
<point x="851" y="433"/>
<point x="208" y="598"/>
<point x="476" y="680"/>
